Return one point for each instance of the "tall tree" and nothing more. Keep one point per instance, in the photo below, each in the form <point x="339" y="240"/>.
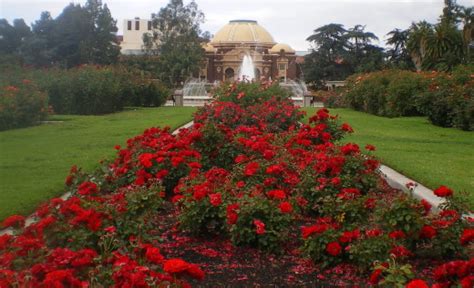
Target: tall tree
<point x="79" y="35"/>
<point x="417" y="42"/>
<point x="102" y="42"/>
<point x="360" y="37"/>
<point x="329" y="40"/>
<point x="398" y="55"/>
<point x="176" y="39"/>
<point x="467" y="17"/>
<point x="71" y="31"/>
<point x="338" y="52"/>
<point x="450" y="12"/>
<point x="38" y="49"/>
<point x="13" y="36"/>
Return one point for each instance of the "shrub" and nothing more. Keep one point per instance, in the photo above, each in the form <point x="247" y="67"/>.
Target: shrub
<point x="22" y="105"/>
<point x="100" y="90"/>
<point x="247" y="94"/>
<point x="260" y="223"/>
<point x="108" y="233"/>
<point x="331" y="99"/>
<point x="87" y="90"/>
<point x="446" y="99"/>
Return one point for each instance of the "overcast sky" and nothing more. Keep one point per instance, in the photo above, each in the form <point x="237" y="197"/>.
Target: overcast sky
<point x="289" y="21"/>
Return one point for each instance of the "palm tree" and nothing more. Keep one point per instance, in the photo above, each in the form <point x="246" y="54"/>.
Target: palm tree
<point x="416" y="43"/>
<point x="467" y="17"/>
<point x="444" y="47"/>
<point x="398" y="39"/>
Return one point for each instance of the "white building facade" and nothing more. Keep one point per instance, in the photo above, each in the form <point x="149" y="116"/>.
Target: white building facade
<point x="133" y="30"/>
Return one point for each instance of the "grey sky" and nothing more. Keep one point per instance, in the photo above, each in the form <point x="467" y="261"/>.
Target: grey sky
<point x="289" y="21"/>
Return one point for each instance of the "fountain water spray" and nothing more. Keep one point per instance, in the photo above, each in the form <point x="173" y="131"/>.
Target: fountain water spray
<point x="247" y="69"/>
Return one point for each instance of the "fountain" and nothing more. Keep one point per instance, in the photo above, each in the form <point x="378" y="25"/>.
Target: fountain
<point x="247" y="69"/>
<point x="194" y="93"/>
<point x="194" y="87"/>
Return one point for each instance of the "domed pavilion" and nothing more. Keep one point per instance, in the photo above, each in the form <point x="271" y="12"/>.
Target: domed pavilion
<point x="238" y="38"/>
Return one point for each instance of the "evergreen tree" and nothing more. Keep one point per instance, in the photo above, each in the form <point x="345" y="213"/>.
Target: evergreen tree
<point x="38" y="49"/>
<point x="13" y="36"/>
<point x="176" y="38"/>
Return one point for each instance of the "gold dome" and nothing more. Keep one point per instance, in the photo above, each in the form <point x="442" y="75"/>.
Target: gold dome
<point x="243" y="31"/>
<point x="281" y="46"/>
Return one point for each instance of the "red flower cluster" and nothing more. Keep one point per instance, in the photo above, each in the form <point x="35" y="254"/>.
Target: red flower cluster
<point x="443" y="191"/>
<point x="259" y="227"/>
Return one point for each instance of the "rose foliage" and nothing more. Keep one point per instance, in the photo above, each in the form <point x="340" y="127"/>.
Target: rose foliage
<point x="248" y="171"/>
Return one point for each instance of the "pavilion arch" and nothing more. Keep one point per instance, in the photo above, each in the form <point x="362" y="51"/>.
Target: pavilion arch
<point x="229" y="74"/>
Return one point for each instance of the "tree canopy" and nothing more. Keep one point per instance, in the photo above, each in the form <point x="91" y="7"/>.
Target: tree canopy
<point x="79" y="35"/>
<point x="176" y="38"/>
<point x="338" y="52"/>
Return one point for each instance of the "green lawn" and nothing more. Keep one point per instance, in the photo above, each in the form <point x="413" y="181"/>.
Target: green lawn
<point x="35" y="161"/>
<point x="426" y="153"/>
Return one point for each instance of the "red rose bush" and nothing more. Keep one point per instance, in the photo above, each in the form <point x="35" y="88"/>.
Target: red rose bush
<point x="249" y="172"/>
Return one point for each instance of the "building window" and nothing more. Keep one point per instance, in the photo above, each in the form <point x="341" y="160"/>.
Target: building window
<point x="229" y="74"/>
<point x="282" y="67"/>
<point x="149" y="25"/>
<point x="137" y="25"/>
<point x="129" y="25"/>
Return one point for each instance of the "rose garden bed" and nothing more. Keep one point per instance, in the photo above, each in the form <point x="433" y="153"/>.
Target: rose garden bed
<point x="247" y="196"/>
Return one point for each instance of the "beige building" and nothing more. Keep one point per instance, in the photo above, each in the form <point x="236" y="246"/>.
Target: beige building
<point x="238" y="38"/>
<point x="133" y="30"/>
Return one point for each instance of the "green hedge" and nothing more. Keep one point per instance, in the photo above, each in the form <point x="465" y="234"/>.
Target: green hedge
<point x="101" y="90"/>
<point x="446" y="99"/>
<point x="22" y="104"/>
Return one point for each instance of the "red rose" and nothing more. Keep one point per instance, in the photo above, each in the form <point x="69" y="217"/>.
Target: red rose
<point x="232" y="214"/>
<point x="348" y="193"/>
<point x="16" y="221"/>
<point x="370" y="203"/>
<point x="333" y="248"/>
<point x="349" y="236"/>
<point x="153" y="255"/>
<point x="145" y="160"/>
<point x="427" y="232"/>
<point x="369" y="147"/>
<point x="443" y="191"/>
<point x="259" y="227"/>
<point x="162" y="174"/>
<point x="277" y="194"/>
<point x="417" y="283"/>
<point x="251" y="168"/>
<point x="285" y="207"/>
<point x="400" y="252"/>
<point x="467" y="236"/>
<point x="87" y="188"/>
<point x="467" y="282"/>
<point x="398" y="234"/>
<point x="110" y="229"/>
<point x="346" y="127"/>
<point x="314" y="229"/>
<point x="175" y="265"/>
<point x="215" y="199"/>
<point x="373" y="233"/>
<point x="426" y="205"/>
<point x="375" y="276"/>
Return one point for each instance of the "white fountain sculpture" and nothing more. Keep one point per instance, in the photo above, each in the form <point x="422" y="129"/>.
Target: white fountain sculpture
<point x="247" y="69"/>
